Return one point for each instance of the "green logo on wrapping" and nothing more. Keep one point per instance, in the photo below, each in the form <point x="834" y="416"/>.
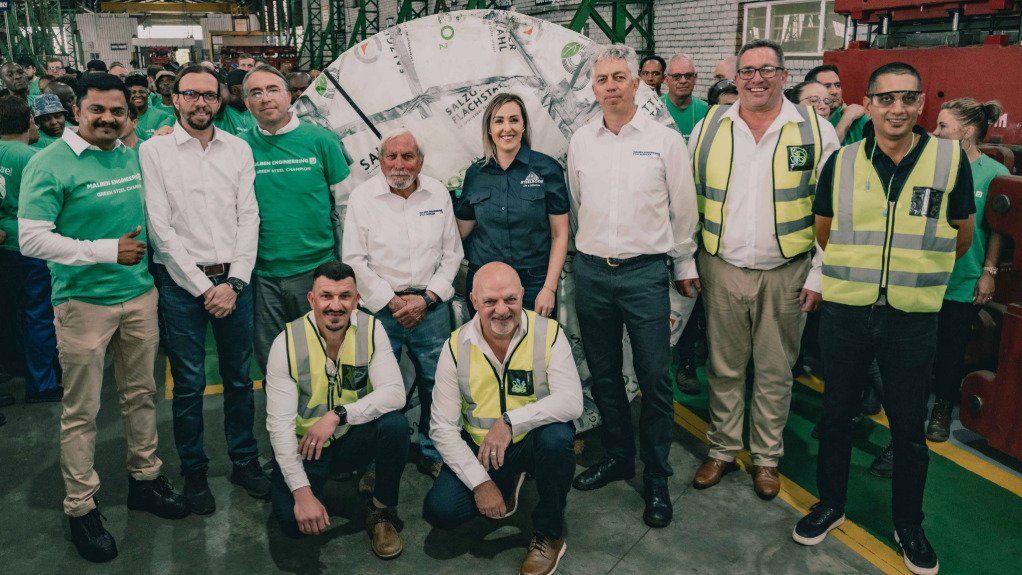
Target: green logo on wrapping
<point x="570" y="49"/>
<point x="321" y="85"/>
<point x="447" y="32"/>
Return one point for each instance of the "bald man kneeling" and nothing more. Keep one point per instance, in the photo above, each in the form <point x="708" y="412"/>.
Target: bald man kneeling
<point x="505" y="396"/>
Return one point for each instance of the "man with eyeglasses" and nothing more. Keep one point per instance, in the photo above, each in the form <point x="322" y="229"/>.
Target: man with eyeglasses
<point x="150" y="118"/>
<point x="756" y="164"/>
<point x="297" y="166"/>
<point x="686" y="109"/>
<point x="651" y="70"/>
<point x="893" y="213"/>
<point x="848" y="120"/>
<point x="299" y="82"/>
<point x="204" y="226"/>
<point x="55" y="67"/>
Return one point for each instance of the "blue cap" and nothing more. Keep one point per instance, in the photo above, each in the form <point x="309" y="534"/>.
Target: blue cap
<point x="46" y="104"/>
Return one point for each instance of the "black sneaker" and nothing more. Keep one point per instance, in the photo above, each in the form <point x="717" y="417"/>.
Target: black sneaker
<point x="919" y="557"/>
<point x="883" y="465"/>
<point x="813" y="528"/>
<point x="939" y="427"/>
<point x="92" y="540"/>
<point x="252" y="478"/>
<point x="199" y="496"/>
<point x="157" y="497"/>
<point x="686" y="378"/>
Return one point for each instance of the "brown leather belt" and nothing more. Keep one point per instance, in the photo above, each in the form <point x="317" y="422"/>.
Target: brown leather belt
<point x="214" y="270"/>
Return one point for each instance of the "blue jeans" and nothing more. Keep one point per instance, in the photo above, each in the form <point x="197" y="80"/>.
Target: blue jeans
<point x="424" y="343"/>
<point x="184" y="319"/>
<point x="29" y="283"/>
<point x="532" y="281"/>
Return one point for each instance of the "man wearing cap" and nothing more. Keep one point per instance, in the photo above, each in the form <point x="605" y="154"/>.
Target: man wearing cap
<point x="13" y="76"/>
<point x="235" y="117"/>
<point x="95" y="66"/>
<point x="51" y="118"/>
<point x="150" y="118"/>
<point x="164" y="83"/>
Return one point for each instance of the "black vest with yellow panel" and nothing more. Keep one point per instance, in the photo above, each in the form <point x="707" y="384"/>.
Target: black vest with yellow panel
<point x="796" y="157"/>
<point x="485" y="396"/>
<point x="906" y="246"/>
<point x="319" y="390"/>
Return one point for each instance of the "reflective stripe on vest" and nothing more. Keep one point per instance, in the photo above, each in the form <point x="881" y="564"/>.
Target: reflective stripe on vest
<point x="713" y="164"/>
<point x="307" y="362"/>
<point x="873" y="245"/>
<point x="484" y="398"/>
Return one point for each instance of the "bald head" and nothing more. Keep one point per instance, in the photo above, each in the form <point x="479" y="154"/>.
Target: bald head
<point x="497" y="295"/>
<point x="725" y="69"/>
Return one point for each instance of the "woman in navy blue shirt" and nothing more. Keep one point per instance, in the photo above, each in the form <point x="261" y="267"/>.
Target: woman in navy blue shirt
<point x="514" y="206"/>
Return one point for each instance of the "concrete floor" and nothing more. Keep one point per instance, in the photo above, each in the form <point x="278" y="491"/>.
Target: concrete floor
<point x="726" y="529"/>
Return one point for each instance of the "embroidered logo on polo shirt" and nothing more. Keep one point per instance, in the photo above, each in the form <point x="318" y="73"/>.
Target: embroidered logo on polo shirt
<point x="532" y="181"/>
<point x="800" y="157"/>
<point x="646" y="153"/>
<point x="431" y="212"/>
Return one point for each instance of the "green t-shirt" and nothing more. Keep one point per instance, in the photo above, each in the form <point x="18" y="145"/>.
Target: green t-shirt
<point x="234" y="122"/>
<point x="44" y="140"/>
<point x="33" y="90"/>
<point x="97" y="195"/>
<point x="13" y="158"/>
<point x="854" y="133"/>
<point x="152" y="120"/>
<point x="969" y="267"/>
<point x="294" y="175"/>
<point x="686" y="119"/>
<point x="159" y="105"/>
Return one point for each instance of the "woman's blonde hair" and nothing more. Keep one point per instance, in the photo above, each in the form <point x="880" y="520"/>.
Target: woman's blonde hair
<point x="970" y="112"/>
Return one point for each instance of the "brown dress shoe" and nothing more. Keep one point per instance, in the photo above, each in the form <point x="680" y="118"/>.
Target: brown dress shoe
<point x="543" y="556"/>
<point x="386" y="542"/>
<point x="710" y="472"/>
<point x="766" y="481"/>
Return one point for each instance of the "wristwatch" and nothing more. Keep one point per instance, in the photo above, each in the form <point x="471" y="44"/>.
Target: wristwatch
<point x="342" y="414"/>
<point x="507" y="420"/>
<point x="236" y="285"/>
<point x="430" y="302"/>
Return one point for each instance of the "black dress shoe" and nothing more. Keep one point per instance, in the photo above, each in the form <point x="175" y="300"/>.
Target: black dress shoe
<point x="198" y="494"/>
<point x="157" y="497"/>
<point x="602" y="473"/>
<point x="252" y="478"/>
<point x="659" y="510"/>
<point x="92" y="540"/>
<point x="883" y="465"/>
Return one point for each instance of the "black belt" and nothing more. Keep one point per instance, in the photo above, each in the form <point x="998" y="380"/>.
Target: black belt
<point x="213" y="270"/>
<point x="618" y="262"/>
<point x="411" y="292"/>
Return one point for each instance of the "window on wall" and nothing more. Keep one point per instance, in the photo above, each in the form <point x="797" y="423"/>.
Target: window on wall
<point x="801" y="27"/>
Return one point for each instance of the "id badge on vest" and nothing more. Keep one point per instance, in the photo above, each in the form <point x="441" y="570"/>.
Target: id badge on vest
<point x="354" y="378"/>
<point x="926" y="202"/>
<point x="800" y="158"/>
<point x="519" y="382"/>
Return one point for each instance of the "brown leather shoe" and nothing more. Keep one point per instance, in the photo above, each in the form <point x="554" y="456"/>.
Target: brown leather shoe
<point x="386" y="542"/>
<point x="766" y="481"/>
<point x="710" y="472"/>
<point x="543" y="556"/>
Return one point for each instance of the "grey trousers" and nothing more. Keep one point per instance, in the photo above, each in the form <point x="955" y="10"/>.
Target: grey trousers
<point x="277" y="301"/>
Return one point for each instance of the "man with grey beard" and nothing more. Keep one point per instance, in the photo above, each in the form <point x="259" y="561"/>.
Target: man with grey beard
<point x="401" y="239"/>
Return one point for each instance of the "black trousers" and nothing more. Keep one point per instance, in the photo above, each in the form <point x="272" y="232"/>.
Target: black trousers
<point x="954" y="330"/>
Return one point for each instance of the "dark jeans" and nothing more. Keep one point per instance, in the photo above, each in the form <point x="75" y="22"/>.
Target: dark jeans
<point x="383" y="440"/>
<point x="424" y="342"/>
<point x="607" y="300"/>
<point x="276" y="302"/>
<point x="532" y="281"/>
<point x="955" y="323"/>
<point x="545" y="452"/>
<point x="185" y="321"/>
<point x="29" y="318"/>
<point x="904" y="345"/>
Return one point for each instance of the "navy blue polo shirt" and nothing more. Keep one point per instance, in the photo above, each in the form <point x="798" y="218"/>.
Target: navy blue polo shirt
<point x="511" y="209"/>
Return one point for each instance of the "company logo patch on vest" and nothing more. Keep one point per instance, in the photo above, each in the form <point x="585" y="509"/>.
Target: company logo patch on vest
<point x="800" y="158"/>
<point x="532" y="181"/>
<point x="519" y="382"/>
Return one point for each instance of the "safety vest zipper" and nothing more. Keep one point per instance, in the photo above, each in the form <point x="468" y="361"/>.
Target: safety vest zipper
<point x="885" y="255"/>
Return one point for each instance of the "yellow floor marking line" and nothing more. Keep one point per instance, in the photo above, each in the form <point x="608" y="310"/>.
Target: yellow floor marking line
<point x="963" y="458"/>
<point x="856" y="538"/>
<point x="210" y="389"/>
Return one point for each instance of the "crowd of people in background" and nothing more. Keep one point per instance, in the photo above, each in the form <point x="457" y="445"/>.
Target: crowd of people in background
<point x="141" y="207"/>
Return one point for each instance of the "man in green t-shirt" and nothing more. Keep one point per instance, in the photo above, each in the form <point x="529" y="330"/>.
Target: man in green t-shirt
<point x="25" y="293"/>
<point x="296" y="164"/>
<point x="686" y="109"/>
<point x="848" y="120"/>
<point x="165" y="89"/>
<point x="50" y="118"/>
<point x="83" y="210"/>
<point x="150" y="118"/>
<point x="235" y="118"/>
<point x="14" y="78"/>
<point x="28" y="64"/>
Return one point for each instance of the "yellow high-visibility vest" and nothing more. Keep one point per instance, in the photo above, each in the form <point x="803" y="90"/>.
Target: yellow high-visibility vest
<point x="907" y="248"/>
<point x="796" y="158"/>
<point x="319" y="392"/>
<point x="484" y="397"/>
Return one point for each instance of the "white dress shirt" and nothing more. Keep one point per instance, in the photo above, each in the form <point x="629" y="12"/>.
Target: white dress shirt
<point x="752" y="243"/>
<point x="388" y="395"/>
<point x="633" y="193"/>
<point x="563" y="404"/>
<point x="37" y="239"/>
<point x="200" y="205"/>
<point x="394" y="244"/>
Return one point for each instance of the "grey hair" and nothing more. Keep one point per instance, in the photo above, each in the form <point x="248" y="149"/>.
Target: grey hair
<point x="680" y="56"/>
<point x="617" y="52"/>
<point x="387" y="137"/>
<point x="761" y="43"/>
<point x="263" y="68"/>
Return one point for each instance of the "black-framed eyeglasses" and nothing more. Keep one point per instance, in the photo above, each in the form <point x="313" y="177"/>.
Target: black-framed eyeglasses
<point x="887" y="99"/>
<point x="765" y="72"/>
<point x="687" y="75"/>
<point x="192" y="95"/>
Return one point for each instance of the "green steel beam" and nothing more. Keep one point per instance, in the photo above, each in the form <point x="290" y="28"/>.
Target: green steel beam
<point x="324" y="33"/>
<point x="627" y="17"/>
<point x="41" y="28"/>
<point x="367" y="22"/>
<point x="412" y="9"/>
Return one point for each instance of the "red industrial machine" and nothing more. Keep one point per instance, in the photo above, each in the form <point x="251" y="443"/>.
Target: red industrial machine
<point x="964" y="48"/>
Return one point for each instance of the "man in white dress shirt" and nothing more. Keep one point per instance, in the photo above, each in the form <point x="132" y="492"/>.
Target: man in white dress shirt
<point x="401" y="239"/>
<point x="634" y="203"/>
<point x="204" y="223"/>
<point x="520" y="423"/>
<point x="755" y="167"/>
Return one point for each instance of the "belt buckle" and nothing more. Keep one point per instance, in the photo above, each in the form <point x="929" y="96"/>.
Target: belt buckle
<point x="610" y="263"/>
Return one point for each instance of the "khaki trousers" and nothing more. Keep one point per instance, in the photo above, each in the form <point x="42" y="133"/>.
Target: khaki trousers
<point x="84" y="331"/>
<point x="751" y="314"/>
